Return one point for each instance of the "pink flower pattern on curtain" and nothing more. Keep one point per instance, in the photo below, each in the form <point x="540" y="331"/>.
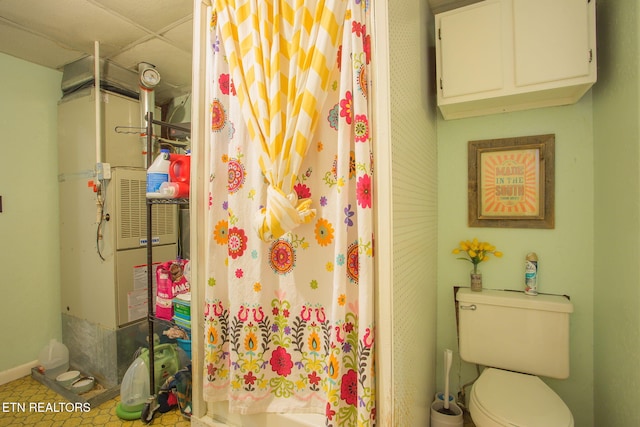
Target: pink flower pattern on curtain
<point x="289" y="323"/>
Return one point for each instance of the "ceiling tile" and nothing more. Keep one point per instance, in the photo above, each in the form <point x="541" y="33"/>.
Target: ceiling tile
<point x="181" y="35"/>
<point x="76" y="23"/>
<point x="29" y="47"/>
<point x="154" y="15"/>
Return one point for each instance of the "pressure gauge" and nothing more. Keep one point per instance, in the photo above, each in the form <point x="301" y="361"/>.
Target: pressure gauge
<point x="150" y="77"/>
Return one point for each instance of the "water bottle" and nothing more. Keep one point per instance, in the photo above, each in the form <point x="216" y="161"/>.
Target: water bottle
<point x="158" y="173"/>
<point x="54" y="358"/>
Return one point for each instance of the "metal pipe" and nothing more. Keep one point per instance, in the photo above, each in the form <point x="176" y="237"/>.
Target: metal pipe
<point x="98" y="96"/>
<point x="150" y="272"/>
<point x="148" y="80"/>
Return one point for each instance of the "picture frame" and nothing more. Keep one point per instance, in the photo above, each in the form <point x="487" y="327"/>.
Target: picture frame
<point x="512" y="182"/>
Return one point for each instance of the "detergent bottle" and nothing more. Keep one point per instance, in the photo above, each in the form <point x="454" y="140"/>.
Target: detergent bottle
<point x="180" y="168"/>
<point x="158" y="173"/>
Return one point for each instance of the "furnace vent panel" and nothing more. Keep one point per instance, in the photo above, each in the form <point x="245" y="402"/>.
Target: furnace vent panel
<point x="131" y="210"/>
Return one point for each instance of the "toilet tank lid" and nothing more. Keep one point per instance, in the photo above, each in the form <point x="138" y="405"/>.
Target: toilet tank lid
<point x="517" y="299"/>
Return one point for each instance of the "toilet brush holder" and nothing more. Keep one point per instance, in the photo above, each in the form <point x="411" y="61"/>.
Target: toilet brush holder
<point x="438" y="419"/>
<point x="440" y="397"/>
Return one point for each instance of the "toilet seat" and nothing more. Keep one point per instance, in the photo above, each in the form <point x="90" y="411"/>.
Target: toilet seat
<point x="504" y="398"/>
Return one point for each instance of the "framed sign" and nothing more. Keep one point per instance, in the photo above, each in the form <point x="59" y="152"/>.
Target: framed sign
<point x="511" y="182"/>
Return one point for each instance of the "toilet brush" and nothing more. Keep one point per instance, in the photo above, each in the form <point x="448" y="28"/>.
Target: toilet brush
<point x="448" y="355"/>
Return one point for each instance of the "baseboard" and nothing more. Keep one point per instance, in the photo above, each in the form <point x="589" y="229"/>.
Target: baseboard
<point x="17" y="372"/>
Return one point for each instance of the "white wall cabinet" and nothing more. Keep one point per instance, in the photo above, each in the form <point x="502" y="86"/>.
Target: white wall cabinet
<point x="507" y="55"/>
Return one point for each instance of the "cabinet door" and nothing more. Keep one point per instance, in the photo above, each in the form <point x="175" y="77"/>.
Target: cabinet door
<point x="471" y="50"/>
<point x="551" y="40"/>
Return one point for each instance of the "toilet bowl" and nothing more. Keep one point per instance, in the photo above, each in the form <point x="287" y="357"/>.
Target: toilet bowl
<point x="505" y="398"/>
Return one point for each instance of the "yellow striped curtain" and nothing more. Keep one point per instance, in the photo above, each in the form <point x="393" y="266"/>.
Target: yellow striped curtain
<point x="281" y="54"/>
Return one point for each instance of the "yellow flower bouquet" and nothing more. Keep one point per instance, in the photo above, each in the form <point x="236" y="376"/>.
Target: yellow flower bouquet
<point x="476" y="252"/>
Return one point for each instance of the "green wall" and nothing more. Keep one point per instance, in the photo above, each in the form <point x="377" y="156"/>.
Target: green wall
<point x="592" y="254"/>
<point x="565" y="253"/>
<point x="29" y="218"/>
<point x="617" y="212"/>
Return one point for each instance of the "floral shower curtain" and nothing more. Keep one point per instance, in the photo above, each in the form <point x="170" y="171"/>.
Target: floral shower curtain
<point x="289" y="322"/>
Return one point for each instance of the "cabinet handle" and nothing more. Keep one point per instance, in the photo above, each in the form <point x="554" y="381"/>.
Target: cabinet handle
<point x="471" y="307"/>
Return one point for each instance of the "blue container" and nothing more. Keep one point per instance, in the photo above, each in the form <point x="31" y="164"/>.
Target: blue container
<point x="185" y="345"/>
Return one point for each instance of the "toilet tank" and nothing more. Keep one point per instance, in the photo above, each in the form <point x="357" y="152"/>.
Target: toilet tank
<point x="514" y="331"/>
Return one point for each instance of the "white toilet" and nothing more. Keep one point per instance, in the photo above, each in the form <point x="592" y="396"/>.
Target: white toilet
<point x="516" y="337"/>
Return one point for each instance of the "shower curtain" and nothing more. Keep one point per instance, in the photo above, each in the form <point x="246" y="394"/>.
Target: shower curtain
<point x="289" y="318"/>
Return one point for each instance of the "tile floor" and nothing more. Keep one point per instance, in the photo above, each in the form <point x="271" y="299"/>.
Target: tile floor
<point x="28" y="391"/>
<point x="34" y="397"/>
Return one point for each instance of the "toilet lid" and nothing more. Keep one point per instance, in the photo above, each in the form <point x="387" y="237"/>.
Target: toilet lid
<point x="514" y="399"/>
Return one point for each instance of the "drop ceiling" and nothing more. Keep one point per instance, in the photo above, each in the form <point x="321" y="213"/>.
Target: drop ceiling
<point x="53" y="33"/>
